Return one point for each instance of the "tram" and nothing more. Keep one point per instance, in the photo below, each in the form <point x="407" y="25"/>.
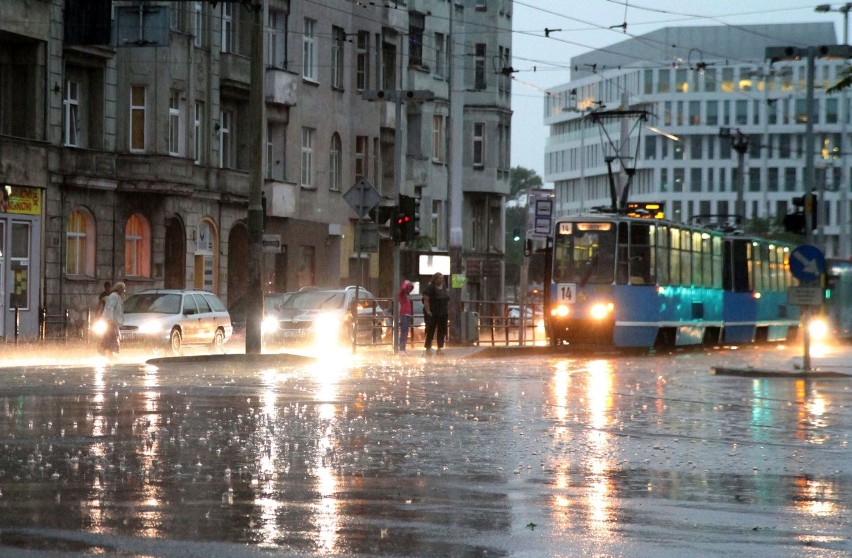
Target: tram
<point x="838" y="299"/>
<point x="633" y="282"/>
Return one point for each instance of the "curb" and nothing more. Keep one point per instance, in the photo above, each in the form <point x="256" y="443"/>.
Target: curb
<point x="760" y="373"/>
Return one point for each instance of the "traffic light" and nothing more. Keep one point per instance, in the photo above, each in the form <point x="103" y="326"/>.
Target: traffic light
<point x="516" y="234"/>
<point x="406" y="218"/>
<point x="796" y="222"/>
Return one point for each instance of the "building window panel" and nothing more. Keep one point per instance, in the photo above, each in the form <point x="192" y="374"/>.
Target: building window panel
<point x="307" y="158"/>
<point x="440" y="55"/>
<point x="228" y="27"/>
<point x="80" y="243"/>
<point x="137" y="118"/>
<point x="478" y="144"/>
<point x="175" y="124"/>
<point x="362" y="146"/>
<point x="226" y="140"/>
<point x="137" y="247"/>
<point x="309" y="55"/>
<point x="438" y="138"/>
<point x="72" y="113"/>
<point x="337" y="41"/>
<point x="362" y="61"/>
<point x="198" y="24"/>
<point x="334" y="164"/>
<point x="479" y="66"/>
<point x="198" y="130"/>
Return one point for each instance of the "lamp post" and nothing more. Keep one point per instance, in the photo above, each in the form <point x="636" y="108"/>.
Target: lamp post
<point x="843" y="248"/>
<point x="739" y="142"/>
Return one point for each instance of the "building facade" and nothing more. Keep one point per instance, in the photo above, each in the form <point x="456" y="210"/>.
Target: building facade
<point x="703" y="90"/>
<point x="125" y="149"/>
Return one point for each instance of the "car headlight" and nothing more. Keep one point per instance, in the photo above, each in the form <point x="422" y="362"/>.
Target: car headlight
<point x="99" y="327"/>
<point x="327" y="323"/>
<point x="269" y="324"/>
<point x="601" y="310"/>
<point x="560" y="311"/>
<point x="818" y="329"/>
<point x="150" y="327"/>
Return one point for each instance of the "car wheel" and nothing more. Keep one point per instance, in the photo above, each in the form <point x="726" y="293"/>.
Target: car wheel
<point x="219" y="340"/>
<point x="176" y="341"/>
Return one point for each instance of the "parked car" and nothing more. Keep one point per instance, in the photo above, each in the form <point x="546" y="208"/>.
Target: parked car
<point x="317" y="315"/>
<point x="173" y="318"/>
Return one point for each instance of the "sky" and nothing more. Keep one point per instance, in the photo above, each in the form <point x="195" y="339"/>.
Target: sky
<point x="584" y="25"/>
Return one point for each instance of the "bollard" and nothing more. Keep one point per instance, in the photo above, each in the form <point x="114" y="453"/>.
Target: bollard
<point x="17" y="323"/>
<point x="65" y="326"/>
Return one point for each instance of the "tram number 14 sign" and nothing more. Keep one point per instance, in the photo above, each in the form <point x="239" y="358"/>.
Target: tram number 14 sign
<point x="566" y="292"/>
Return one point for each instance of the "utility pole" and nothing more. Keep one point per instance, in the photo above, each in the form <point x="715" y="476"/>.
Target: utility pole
<point x="739" y="142"/>
<point x="257" y="118"/>
<point x="455" y="194"/>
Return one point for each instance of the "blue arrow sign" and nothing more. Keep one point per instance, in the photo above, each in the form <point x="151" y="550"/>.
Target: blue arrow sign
<point x="807" y="263"/>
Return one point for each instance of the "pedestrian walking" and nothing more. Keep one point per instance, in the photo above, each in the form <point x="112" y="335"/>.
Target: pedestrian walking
<point x="436" y="312"/>
<point x="99" y="308"/>
<point x="405" y="312"/>
<point x="113" y="317"/>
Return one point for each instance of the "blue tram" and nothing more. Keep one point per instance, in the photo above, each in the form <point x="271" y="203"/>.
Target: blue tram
<point x="838" y="299"/>
<point x="634" y="282"/>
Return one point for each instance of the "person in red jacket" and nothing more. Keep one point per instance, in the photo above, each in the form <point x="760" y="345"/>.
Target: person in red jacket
<point x="405" y="312"/>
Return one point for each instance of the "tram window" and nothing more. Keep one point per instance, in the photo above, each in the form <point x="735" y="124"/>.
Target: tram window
<point x="586" y="256"/>
<point x="663" y="255"/>
<point x="674" y="278"/>
<point x="641" y="264"/>
<point x="717" y="261"/>
<point x="623" y="259"/>
<point x="685" y="258"/>
<point x="698" y="278"/>
<point x="707" y="259"/>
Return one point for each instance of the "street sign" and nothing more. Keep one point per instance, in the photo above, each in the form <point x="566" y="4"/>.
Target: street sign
<point x="542" y="217"/>
<point x="804" y="296"/>
<point x="362" y="197"/>
<point x="807" y="263"/>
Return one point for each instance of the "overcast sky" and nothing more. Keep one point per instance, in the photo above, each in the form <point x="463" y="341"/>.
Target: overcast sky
<point x="544" y="62"/>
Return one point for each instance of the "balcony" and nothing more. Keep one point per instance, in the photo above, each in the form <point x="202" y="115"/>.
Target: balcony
<point x="236" y="70"/>
<point x="23" y="161"/>
<point x="281" y="87"/>
<point x="281" y="198"/>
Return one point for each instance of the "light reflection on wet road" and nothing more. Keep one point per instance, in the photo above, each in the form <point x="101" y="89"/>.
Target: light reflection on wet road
<point x="635" y="456"/>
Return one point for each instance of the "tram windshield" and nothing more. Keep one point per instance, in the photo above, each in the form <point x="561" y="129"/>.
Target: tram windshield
<point x="584" y="253"/>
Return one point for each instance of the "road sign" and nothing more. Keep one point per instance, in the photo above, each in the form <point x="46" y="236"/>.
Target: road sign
<point x="807" y="263"/>
<point x="804" y="296"/>
<point x="542" y="217"/>
<point x="362" y="197"/>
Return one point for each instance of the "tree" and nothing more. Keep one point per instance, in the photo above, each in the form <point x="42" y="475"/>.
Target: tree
<point x="521" y="179"/>
<point x="844" y="81"/>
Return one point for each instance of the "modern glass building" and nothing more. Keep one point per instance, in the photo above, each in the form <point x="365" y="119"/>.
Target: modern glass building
<point x="704" y="92"/>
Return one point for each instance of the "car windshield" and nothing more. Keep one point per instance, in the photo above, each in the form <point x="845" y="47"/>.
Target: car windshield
<point x="152" y="303"/>
<point x="316" y="300"/>
<point x="272" y="304"/>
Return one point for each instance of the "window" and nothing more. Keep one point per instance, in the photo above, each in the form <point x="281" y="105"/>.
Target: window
<point x="361" y="147"/>
<point x="478" y="144"/>
<point x="276" y="39"/>
<point x="228" y="42"/>
<point x="198" y="24"/>
<point x="72" y="113"/>
<point x="269" y="152"/>
<point x="80" y="243"/>
<point x="307" y="157"/>
<point x="206" y="256"/>
<point x="309" y="61"/>
<point x="198" y="128"/>
<point x="479" y="66"/>
<point x="362" y="61"/>
<point x="695" y="143"/>
<point x="19" y="263"/>
<point x="178" y="13"/>
<point x="504" y="79"/>
<point x="663" y="78"/>
<point x="440" y="55"/>
<point x="137" y="118"/>
<point x="416" y="24"/>
<point x="438" y="138"/>
<point x="175" y="124"/>
<point x="226" y="140"/>
<point x="137" y="247"/>
<point x="334" y="163"/>
<point x="695" y="112"/>
<point x="338" y="36"/>
<point x="712" y="113"/>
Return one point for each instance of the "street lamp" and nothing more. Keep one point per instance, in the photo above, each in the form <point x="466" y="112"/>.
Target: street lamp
<point x="844" y="9"/>
<point x="739" y="142"/>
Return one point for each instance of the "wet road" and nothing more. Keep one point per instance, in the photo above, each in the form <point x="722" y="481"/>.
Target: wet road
<point x="380" y="455"/>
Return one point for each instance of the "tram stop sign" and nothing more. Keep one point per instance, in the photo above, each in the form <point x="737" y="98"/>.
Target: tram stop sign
<point x="807" y="263"/>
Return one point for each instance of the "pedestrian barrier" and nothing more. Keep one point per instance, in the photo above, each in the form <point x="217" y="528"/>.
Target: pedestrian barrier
<point x="51" y="326"/>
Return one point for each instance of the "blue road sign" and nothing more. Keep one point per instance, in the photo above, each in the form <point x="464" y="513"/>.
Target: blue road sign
<point x="807" y="263"/>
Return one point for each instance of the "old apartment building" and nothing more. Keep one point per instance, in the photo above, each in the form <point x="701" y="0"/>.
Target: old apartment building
<point x="125" y="144"/>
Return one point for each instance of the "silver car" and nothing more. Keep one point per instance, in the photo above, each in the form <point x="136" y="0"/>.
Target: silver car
<point x="174" y="318"/>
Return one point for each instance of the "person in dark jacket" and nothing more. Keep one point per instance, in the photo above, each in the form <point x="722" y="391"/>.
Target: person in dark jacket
<point x="436" y="301"/>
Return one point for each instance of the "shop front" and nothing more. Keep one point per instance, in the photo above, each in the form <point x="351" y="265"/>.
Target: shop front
<point x="20" y="257"/>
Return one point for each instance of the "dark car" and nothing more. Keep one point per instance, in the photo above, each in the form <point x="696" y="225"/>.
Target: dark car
<point x="318" y="315"/>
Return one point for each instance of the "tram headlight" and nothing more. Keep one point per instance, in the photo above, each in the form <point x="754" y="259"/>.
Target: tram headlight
<point x="818" y="329"/>
<point x="560" y="311"/>
<point x="601" y="310"/>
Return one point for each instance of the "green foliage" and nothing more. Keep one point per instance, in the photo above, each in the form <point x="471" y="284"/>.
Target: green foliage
<point x="522" y="178"/>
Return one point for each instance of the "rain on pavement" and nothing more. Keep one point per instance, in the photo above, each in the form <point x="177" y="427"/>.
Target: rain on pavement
<point x="379" y="455"/>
